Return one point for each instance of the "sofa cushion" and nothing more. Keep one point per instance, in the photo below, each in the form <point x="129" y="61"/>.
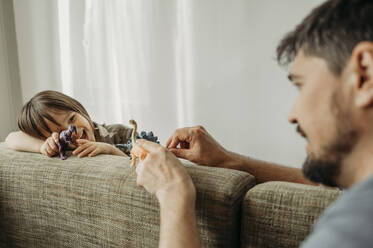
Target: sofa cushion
<point x="95" y="202"/>
<point x="279" y="214"/>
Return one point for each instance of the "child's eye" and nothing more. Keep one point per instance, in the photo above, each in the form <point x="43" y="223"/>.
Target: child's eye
<point x="72" y="118"/>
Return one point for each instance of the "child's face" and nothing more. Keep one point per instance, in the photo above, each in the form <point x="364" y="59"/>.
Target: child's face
<point x="64" y="119"/>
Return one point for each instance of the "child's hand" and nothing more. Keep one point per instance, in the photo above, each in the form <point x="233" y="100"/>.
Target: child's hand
<point x="49" y="147"/>
<point x="90" y="148"/>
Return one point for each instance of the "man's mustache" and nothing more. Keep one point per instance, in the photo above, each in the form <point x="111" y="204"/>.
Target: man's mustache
<point x="301" y="132"/>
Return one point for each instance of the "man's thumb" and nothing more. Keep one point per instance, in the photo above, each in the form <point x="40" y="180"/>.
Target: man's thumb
<point x="180" y="153"/>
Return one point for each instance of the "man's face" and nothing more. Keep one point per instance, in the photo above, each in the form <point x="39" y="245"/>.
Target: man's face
<point x="322" y="114"/>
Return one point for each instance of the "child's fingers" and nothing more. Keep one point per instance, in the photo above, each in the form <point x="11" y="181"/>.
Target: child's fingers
<point x="48" y="148"/>
<point x="81" y="148"/>
<point x="94" y="153"/>
<point x="86" y="151"/>
<point x="48" y="151"/>
<point x="82" y="141"/>
<point x="52" y="145"/>
<point x="55" y="137"/>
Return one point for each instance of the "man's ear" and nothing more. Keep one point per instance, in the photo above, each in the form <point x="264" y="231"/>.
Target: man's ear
<point x="362" y="61"/>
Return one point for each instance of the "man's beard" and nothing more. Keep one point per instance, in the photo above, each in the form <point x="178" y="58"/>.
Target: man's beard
<point x="326" y="168"/>
<point x="323" y="170"/>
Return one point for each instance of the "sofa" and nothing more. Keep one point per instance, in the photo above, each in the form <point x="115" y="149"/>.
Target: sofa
<point x="95" y="202"/>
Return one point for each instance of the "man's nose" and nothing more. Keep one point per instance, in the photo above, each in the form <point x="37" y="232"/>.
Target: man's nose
<point x="292" y="116"/>
<point x="292" y="120"/>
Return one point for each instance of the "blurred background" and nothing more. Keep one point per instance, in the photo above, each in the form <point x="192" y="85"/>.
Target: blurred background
<point x="165" y="63"/>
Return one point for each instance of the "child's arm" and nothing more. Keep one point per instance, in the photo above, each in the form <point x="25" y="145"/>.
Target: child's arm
<point x="91" y="149"/>
<point x="21" y="141"/>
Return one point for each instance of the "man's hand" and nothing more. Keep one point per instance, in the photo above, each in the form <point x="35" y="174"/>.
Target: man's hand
<point x="49" y="147"/>
<point x="163" y="175"/>
<point x="90" y="148"/>
<point x="197" y="145"/>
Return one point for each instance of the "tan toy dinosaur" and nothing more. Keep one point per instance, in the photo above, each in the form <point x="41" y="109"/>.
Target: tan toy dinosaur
<point x="136" y="151"/>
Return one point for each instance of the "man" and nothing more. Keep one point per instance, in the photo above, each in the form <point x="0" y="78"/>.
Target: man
<point x="331" y="53"/>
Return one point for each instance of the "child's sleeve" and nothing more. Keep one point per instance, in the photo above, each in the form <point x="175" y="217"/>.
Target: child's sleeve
<point x="117" y="134"/>
<point x="121" y="133"/>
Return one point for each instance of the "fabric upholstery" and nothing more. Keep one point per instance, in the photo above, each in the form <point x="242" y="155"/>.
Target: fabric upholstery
<point x="278" y="214"/>
<point x="95" y="202"/>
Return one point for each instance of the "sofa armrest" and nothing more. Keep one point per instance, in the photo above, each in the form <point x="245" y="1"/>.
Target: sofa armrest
<point x="279" y="214"/>
<point x="95" y="202"/>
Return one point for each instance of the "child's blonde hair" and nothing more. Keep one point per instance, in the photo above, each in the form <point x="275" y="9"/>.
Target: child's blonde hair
<point x="31" y="119"/>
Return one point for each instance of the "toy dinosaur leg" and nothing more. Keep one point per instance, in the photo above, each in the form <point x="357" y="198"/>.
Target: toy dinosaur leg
<point x="61" y="151"/>
<point x="133" y="156"/>
<point x="63" y="155"/>
<point x="143" y="154"/>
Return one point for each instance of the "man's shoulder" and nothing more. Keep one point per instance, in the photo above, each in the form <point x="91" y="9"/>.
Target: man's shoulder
<point x="359" y="199"/>
<point x="348" y="222"/>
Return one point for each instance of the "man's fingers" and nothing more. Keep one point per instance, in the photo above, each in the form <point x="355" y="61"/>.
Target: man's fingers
<point x="180" y="153"/>
<point x="174" y="142"/>
<point x="169" y="141"/>
<point x="139" y="168"/>
<point x="182" y="137"/>
<point x="148" y="145"/>
<point x="184" y="145"/>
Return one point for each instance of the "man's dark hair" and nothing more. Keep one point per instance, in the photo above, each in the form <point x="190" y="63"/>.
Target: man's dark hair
<point x="331" y="32"/>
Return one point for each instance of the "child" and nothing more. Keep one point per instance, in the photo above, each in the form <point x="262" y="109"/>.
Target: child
<point x="49" y="112"/>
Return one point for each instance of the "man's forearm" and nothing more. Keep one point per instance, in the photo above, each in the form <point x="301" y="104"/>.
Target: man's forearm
<point x="264" y="171"/>
<point x="178" y="224"/>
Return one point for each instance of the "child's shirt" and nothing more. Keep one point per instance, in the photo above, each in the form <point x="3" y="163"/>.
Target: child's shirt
<point x="113" y="134"/>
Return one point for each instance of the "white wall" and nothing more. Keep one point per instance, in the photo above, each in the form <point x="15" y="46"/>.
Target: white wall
<point x="246" y="105"/>
<point x="241" y="94"/>
<point x="37" y="39"/>
<point x="10" y="92"/>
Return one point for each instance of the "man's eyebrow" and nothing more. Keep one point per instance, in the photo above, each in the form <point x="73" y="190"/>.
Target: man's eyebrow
<point x="293" y="77"/>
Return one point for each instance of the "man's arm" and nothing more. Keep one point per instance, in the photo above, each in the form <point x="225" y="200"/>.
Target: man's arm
<point x="163" y="175"/>
<point x="265" y="171"/>
<point x="21" y="141"/>
<point x="178" y="221"/>
<point x="197" y="145"/>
